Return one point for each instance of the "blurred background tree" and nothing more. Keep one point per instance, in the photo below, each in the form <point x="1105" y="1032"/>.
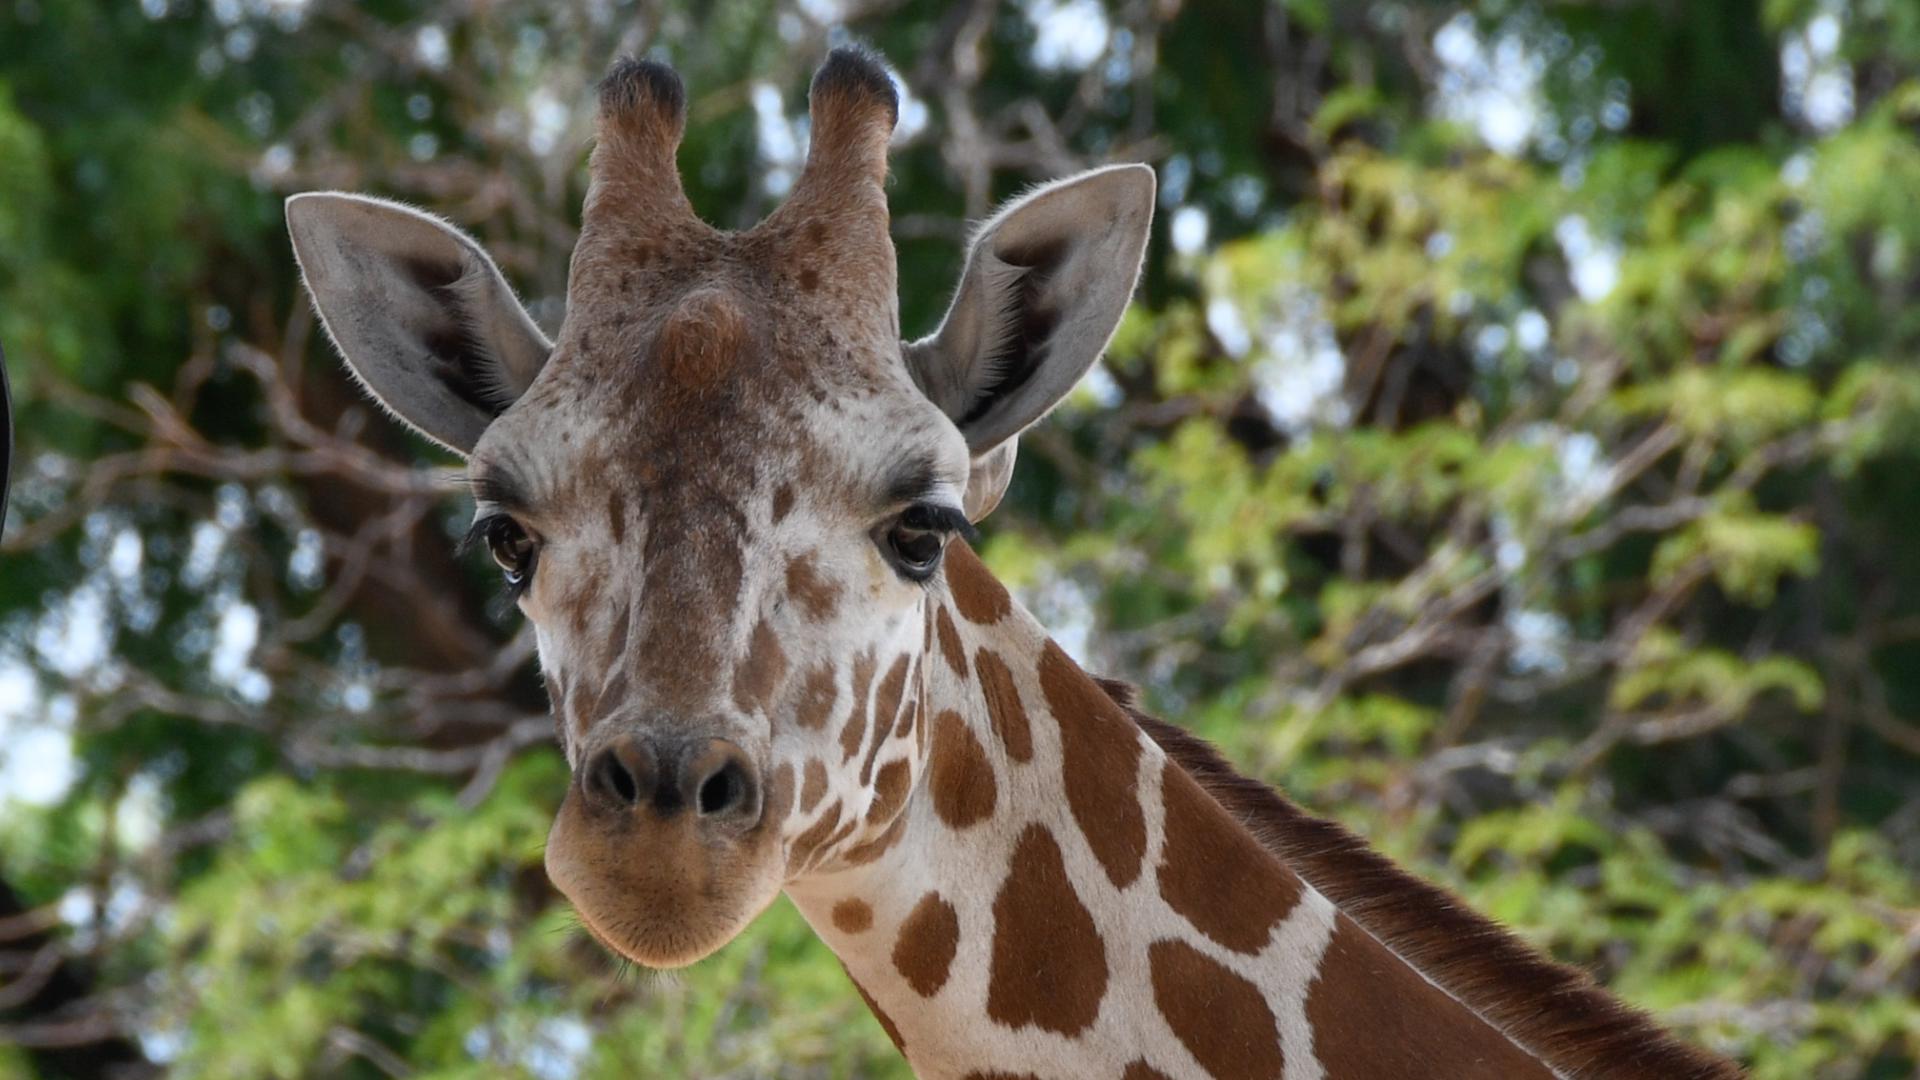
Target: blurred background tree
<point x="1514" y="452"/>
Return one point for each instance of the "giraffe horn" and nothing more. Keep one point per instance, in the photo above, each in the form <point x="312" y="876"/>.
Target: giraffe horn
<point x="837" y="214"/>
<point x="635" y="178"/>
<point x="853" y="107"/>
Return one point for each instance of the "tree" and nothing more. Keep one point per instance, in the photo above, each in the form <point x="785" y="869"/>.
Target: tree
<point x="1511" y="453"/>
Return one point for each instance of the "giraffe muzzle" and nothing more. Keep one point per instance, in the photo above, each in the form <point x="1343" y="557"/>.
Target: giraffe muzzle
<point x="661" y="844"/>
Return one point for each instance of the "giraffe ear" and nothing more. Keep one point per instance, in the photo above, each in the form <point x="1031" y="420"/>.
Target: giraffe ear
<point x="987" y="480"/>
<point x="419" y="311"/>
<point x="1044" y="286"/>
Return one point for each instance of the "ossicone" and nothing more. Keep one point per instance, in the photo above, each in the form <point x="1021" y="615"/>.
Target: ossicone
<point x="635" y="188"/>
<point x="642" y="99"/>
<point x="853" y="107"/>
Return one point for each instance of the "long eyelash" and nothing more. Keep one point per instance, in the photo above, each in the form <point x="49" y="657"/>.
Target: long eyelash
<point x="475" y="533"/>
<point x="951" y="519"/>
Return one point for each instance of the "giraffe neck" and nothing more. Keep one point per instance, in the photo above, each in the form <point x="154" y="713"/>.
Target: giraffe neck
<point x="1061" y="898"/>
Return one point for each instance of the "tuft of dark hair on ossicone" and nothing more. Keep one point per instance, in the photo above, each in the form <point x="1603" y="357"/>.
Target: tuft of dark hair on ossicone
<point x="632" y="83"/>
<point x="857" y="69"/>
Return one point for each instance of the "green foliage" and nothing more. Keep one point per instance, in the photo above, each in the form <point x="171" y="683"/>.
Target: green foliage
<point x="1543" y="513"/>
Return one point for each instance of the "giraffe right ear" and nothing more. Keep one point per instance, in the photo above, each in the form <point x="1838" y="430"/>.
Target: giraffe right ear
<point x="1045" y="283"/>
<point x="419" y="311"/>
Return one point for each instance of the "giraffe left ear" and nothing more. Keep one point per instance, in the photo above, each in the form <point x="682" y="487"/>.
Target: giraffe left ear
<point x="1044" y="286"/>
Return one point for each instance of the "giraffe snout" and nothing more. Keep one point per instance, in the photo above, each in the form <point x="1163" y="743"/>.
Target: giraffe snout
<point x="711" y="779"/>
<point x="665" y="842"/>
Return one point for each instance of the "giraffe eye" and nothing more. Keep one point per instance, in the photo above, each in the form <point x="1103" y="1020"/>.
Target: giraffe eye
<point x="913" y="541"/>
<point x="512" y="548"/>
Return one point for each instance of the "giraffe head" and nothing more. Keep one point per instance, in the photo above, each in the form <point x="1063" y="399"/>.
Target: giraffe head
<point x="723" y="494"/>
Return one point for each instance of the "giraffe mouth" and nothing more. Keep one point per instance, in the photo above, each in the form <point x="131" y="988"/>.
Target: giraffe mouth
<point x="662" y="894"/>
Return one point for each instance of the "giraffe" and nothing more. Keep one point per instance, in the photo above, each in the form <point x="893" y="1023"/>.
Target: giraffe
<point x="737" y="507"/>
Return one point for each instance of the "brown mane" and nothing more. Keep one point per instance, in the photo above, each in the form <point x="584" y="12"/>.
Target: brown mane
<point x="1555" y="1011"/>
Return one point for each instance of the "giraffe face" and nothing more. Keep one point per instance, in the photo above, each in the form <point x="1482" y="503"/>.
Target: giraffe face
<point x="730" y="559"/>
<point x="722" y="496"/>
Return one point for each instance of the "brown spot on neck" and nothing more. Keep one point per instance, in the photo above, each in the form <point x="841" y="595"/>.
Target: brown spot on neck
<point x="782" y="502"/>
<point x="977" y="595"/>
<point x="1372" y="1015"/>
<point x="950" y="646"/>
<point x="1222" y="1019"/>
<point x="1140" y="1070"/>
<point x="1004" y="708"/>
<point x="852" y="916"/>
<point x="889" y="792"/>
<point x="959" y="776"/>
<point x="928" y="940"/>
<point x="1049" y="964"/>
<point x="1214" y="873"/>
<point x="1100" y="762"/>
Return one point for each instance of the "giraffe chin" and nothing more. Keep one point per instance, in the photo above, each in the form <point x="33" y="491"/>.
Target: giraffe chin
<point x="659" y="894"/>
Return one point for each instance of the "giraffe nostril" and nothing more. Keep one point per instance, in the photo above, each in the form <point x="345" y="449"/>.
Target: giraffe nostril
<point x="622" y="774"/>
<point x="621" y="782"/>
<point x="725" y="786"/>
<point x="722" y="790"/>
